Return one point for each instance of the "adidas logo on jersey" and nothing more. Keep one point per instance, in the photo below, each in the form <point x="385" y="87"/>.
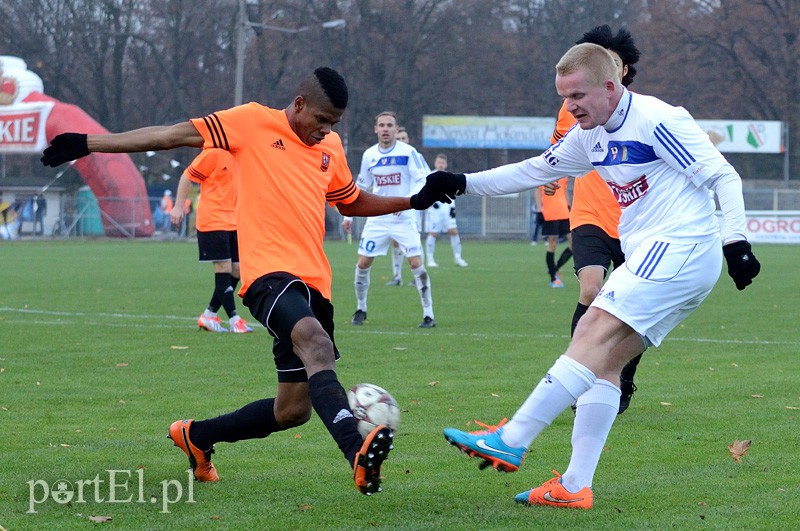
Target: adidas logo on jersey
<point x="279" y="144"/>
<point x="597" y="148"/>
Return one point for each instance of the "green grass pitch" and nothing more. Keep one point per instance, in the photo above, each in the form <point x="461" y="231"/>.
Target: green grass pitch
<point x="100" y="353"/>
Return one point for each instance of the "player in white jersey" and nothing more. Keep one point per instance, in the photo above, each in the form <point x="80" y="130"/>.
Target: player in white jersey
<point x="396" y="254"/>
<point x="662" y="169"/>
<point x="391" y="169"/>
<point x="442" y="218"/>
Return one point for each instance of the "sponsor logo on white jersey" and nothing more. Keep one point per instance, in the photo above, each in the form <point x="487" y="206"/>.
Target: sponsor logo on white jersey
<point x="627" y="194"/>
<point x="393" y="179"/>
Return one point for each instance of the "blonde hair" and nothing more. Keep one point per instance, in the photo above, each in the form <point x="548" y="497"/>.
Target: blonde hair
<point x="386" y="113"/>
<point x="592" y="58"/>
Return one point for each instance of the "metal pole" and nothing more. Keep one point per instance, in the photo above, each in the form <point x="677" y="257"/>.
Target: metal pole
<point x="786" y="154"/>
<point x="241" y="34"/>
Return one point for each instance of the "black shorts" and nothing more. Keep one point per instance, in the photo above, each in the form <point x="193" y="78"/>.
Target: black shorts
<point x="218" y="246"/>
<point x="592" y="246"/>
<point x="278" y="301"/>
<point x="559" y="227"/>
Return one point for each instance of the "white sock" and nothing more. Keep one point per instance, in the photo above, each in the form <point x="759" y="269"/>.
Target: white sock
<point x="362" y="287"/>
<point x="397" y="262"/>
<point x="565" y="381"/>
<point x="455" y="243"/>
<point x="209" y="313"/>
<point x="423" y="282"/>
<point x="430" y="247"/>
<point x="597" y="409"/>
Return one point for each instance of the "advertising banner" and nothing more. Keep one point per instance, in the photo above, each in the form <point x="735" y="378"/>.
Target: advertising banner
<point x="22" y="127"/>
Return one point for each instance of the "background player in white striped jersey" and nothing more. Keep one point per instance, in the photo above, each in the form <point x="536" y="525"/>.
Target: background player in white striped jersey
<point x="662" y="169"/>
<point x="441" y="217"/>
<point x="397" y="255"/>
<point x="391" y="169"/>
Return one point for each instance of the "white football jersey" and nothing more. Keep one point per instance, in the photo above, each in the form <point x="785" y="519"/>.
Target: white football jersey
<point x="397" y="172"/>
<point x="656" y="160"/>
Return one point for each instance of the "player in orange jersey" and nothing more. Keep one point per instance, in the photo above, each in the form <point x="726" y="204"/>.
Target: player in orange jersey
<point x="217" y="173"/>
<point x="292" y="163"/>
<point x="555" y="210"/>
<point x="594" y="218"/>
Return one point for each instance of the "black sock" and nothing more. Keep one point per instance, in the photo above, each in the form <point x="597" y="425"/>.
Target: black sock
<point x="580" y="309"/>
<point x="564" y="258"/>
<point x="630" y="369"/>
<point x="330" y="402"/>
<point x="234" y="283"/>
<point x="549" y="259"/>
<point x="256" y="420"/>
<point x="224" y="291"/>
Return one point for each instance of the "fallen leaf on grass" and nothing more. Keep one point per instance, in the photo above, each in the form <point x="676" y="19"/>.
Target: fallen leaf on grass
<point x="123" y="364"/>
<point x="791" y="407"/>
<point x="495" y="395"/>
<point x="665" y="403"/>
<point x="216" y="517"/>
<point x="100" y="519"/>
<point x="433" y="383"/>
<point x="179" y="347"/>
<point x="399" y="348"/>
<point x="306" y="507"/>
<point x="738" y="448"/>
<point x="757" y="396"/>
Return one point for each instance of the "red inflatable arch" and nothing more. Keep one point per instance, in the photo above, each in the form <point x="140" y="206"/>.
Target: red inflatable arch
<point x="113" y="178"/>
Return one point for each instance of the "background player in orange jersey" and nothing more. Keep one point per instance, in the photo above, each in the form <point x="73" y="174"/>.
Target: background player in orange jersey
<point x="555" y="211"/>
<point x="594" y="218"/>
<point x="217" y="173"/>
<point x="291" y="164"/>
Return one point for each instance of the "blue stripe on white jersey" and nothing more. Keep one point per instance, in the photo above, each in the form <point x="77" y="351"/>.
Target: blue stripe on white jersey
<point x="654" y="256"/>
<point x="627" y="152"/>
<point x="673" y="146"/>
<point x="390" y="160"/>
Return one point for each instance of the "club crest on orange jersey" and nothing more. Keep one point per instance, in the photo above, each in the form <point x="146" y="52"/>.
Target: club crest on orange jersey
<point x="326" y="161"/>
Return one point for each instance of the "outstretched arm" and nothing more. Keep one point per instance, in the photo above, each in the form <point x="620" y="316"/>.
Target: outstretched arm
<point x="70" y="146"/>
<point x="368" y="204"/>
<point x="155" y="138"/>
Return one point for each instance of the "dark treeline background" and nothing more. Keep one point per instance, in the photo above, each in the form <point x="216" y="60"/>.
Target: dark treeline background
<point x="132" y="63"/>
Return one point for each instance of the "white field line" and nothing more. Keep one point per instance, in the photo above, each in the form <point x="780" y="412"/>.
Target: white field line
<point x="85" y="318"/>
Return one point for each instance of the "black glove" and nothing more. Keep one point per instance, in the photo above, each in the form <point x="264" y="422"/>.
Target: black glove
<point x="64" y="148"/>
<point x="440" y="186"/>
<point x="453" y="212"/>
<point x="743" y="266"/>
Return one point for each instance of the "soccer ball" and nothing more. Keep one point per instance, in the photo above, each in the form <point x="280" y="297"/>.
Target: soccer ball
<point x="373" y="405"/>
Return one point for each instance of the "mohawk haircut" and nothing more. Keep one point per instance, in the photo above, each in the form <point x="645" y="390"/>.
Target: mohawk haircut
<point x="621" y="43"/>
<point x="332" y="83"/>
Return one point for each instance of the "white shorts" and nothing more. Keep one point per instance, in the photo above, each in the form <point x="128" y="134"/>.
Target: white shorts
<point x="439" y="219"/>
<point x="377" y="235"/>
<point x="660" y="284"/>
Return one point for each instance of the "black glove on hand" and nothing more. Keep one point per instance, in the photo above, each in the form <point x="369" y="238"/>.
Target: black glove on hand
<point x="440" y="186"/>
<point x="743" y="266"/>
<point x="64" y="148"/>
